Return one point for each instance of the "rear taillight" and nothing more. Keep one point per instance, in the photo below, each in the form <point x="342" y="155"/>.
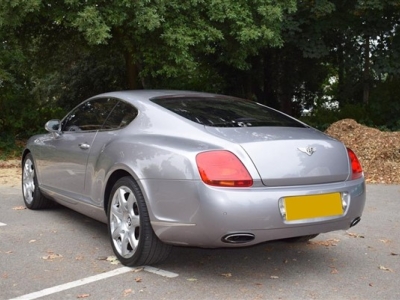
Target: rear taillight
<point x="356" y="169"/>
<point x="222" y="168"/>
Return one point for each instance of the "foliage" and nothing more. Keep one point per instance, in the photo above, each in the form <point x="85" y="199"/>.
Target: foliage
<point x="382" y="111"/>
<point x="292" y="55"/>
<point x="384" y="106"/>
<point x="9" y="147"/>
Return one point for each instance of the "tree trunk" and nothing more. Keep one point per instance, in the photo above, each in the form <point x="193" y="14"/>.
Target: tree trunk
<point x="286" y="104"/>
<point x="340" y="92"/>
<point x="131" y="72"/>
<point x="366" y="70"/>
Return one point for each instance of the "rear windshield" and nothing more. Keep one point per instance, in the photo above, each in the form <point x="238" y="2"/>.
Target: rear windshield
<point x="225" y="112"/>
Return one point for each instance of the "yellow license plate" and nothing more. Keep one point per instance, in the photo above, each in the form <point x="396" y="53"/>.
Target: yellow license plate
<point x="313" y="206"/>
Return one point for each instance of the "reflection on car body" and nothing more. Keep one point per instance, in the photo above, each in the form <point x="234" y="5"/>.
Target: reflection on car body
<point x="166" y="168"/>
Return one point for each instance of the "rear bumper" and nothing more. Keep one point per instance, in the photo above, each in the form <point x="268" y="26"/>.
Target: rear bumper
<point x="193" y="214"/>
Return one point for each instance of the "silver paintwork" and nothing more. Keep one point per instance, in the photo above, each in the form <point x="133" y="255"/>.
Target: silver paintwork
<point x="158" y="149"/>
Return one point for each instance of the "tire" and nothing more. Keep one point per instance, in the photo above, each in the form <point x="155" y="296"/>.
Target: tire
<point x="301" y="239"/>
<point x="132" y="237"/>
<point x="32" y="195"/>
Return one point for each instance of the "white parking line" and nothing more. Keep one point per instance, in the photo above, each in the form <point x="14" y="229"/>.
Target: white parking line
<point x="2" y="224"/>
<point x="160" y="272"/>
<point x="73" y="284"/>
<point x="70" y="285"/>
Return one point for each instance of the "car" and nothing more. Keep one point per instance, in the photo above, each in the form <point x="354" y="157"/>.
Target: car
<point x="168" y="168"/>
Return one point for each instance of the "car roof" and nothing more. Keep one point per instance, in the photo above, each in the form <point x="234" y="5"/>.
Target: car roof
<point x="142" y="95"/>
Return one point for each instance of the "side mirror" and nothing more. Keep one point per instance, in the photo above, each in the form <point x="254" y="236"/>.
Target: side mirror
<point x="54" y="127"/>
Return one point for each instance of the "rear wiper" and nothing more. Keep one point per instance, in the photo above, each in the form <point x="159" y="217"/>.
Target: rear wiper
<point x="244" y="122"/>
<point x="240" y="122"/>
<point x="222" y="124"/>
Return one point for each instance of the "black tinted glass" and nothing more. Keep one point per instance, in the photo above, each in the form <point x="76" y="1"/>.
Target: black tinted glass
<point x="90" y="115"/>
<point x="226" y="112"/>
<point x="122" y="115"/>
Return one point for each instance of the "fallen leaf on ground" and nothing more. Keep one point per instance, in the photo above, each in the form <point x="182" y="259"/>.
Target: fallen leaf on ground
<point x="138" y="279"/>
<point x="191" y="279"/>
<point x="385" y="269"/>
<point x="127" y="292"/>
<point x="32" y="241"/>
<point x="334" y="271"/>
<point x="226" y="275"/>
<point x="327" y="243"/>
<point x="113" y="260"/>
<point x="394" y="254"/>
<point x="52" y="256"/>
<point x="356" y="235"/>
<point x="385" y="241"/>
<point x="19" y="208"/>
<point x="82" y="296"/>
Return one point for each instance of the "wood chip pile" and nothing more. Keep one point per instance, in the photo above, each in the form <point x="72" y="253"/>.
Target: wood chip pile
<point x="378" y="151"/>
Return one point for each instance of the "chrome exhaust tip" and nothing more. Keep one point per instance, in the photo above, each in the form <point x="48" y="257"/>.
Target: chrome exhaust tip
<point x="355" y="221"/>
<point x="238" y="238"/>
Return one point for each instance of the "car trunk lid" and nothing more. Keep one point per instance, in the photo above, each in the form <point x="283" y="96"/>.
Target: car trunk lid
<point x="290" y="156"/>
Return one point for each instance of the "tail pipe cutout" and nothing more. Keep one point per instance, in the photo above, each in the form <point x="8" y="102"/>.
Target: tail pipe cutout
<point x="355" y="221"/>
<point x="238" y="238"/>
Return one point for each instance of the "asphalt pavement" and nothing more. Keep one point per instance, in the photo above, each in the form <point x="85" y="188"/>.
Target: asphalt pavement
<point x="60" y="254"/>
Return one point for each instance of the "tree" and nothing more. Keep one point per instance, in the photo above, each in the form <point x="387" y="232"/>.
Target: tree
<point x="288" y="54"/>
<point x="353" y="40"/>
<point x="156" y="37"/>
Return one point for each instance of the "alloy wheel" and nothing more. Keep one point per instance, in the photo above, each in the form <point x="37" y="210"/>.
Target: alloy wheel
<point x="28" y="182"/>
<point x="125" y="222"/>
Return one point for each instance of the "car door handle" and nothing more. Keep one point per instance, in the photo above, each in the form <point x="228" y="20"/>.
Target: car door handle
<point x="84" y="146"/>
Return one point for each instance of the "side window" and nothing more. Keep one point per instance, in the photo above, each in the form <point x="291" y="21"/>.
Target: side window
<point x="89" y="116"/>
<point x="121" y="116"/>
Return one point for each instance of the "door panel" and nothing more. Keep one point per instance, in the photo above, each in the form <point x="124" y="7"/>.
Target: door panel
<point x="63" y="161"/>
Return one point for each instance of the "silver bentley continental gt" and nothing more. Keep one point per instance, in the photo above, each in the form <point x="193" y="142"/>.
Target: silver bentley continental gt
<point x="166" y="168"/>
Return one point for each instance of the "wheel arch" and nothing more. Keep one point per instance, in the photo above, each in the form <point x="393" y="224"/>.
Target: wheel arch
<point x="114" y="177"/>
<point x="24" y="154"/>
